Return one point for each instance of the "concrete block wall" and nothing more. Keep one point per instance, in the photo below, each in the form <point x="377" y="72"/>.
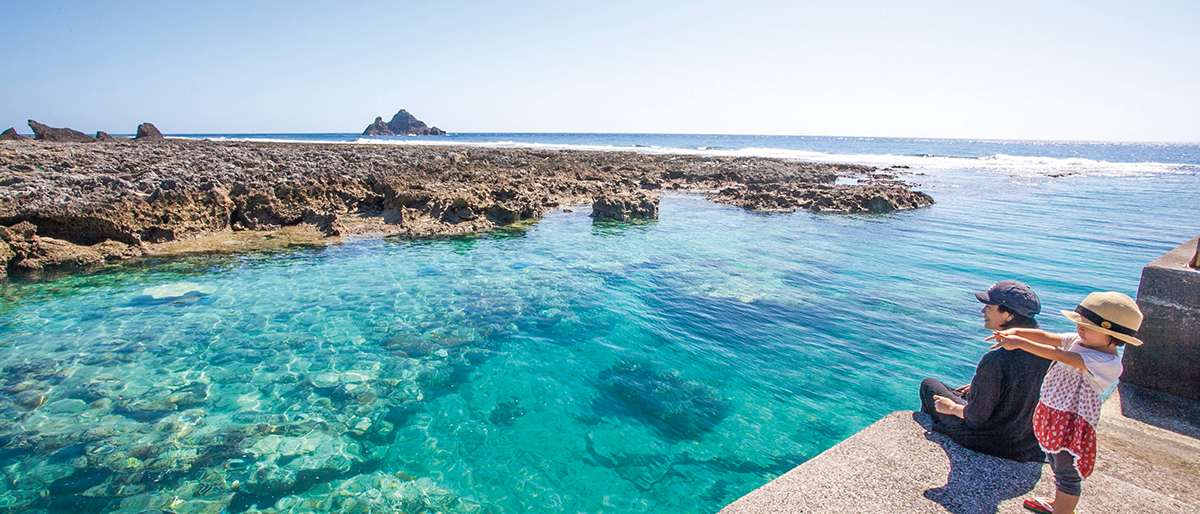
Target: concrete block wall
<point x="1169" y="296"/>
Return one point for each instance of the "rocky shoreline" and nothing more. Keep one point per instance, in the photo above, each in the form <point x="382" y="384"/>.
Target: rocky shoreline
<point x="74" y="205"/>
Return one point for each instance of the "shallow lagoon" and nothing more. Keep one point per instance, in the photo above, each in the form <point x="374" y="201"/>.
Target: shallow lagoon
<point x="562" y="366"/>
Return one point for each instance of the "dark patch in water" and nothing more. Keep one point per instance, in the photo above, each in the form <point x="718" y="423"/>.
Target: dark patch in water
<point x="677" y="408"/>
<point x="399" y="416"/>
<point x="76" y="504"/>
<point x="188" y="298"/>
<point x="79" y="482"/>
<point x="12" y="455"/>
<point x="305" y="480"/>
<point x="69" y="453"/>
<point x="506" y="412"/>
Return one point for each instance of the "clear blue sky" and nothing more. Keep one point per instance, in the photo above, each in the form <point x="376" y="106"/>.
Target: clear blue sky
<point x="1094" y="70"/>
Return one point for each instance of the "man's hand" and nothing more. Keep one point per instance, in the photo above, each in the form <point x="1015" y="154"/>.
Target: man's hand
<point x="963" y="390"/>
<point x="947" y="406"/>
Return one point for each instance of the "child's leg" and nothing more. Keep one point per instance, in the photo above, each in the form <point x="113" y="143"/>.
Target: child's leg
<point x="1065" y="503"/>
<point x="1067" y="482"/>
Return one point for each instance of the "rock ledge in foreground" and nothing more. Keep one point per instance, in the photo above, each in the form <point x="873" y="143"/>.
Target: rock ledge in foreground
<point x="162" y="197"/>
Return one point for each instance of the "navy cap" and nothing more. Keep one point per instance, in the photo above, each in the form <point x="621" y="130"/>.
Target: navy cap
<point x="1014" y="295"/>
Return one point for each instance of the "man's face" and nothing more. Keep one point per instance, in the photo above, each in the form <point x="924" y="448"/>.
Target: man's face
<point x="993" y="319"/>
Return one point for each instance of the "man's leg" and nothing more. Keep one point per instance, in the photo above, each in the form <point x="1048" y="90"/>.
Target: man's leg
<point x="931" y="387"/>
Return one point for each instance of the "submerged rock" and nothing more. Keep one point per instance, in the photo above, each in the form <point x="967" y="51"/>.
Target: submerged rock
<point x="177" y="290"/>
<point x="31" y="399"/>
<point x="506" y="412"/>
<point x="677" y="407"/>
<point x="374" y="492"/>
<point x="39" y="369"/>
<point x="283" y="461"/>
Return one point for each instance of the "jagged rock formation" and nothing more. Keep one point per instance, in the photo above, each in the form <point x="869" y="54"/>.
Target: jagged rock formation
<point x="11" y="134"/>
<point x="878" y="198"/>
<point x="625" y="207"/>
<point x="124" y="198"/>
<point x="145" y="131"/>
<point x="58" y="135"/>
<point x="21" y="248"/>
<point x="148" y="131"/>
<point x="402" y="124"/>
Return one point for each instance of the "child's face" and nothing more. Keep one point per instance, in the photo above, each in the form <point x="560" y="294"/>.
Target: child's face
<point x="1093" y="339"/>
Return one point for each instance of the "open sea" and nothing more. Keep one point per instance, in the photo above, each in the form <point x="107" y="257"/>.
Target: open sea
<point x="561" y="365"/>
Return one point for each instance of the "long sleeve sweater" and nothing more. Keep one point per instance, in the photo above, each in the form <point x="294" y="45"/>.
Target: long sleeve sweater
<point x="998" y="418"/>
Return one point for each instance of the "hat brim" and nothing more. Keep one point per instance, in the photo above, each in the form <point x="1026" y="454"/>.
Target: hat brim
<point x="1080" y="320"/>
<point x="982" y="296"/>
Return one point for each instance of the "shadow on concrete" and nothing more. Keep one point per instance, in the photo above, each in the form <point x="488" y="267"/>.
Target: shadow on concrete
<point x="977" y="483"/>
<point x="1165" y="411"/>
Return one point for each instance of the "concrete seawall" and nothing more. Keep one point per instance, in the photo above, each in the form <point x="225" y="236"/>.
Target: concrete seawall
<point x="1169" y="296"/>
<point x="1148" y="460"/>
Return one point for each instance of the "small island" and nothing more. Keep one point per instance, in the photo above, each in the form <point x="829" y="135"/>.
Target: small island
<point x="402" y="124"/>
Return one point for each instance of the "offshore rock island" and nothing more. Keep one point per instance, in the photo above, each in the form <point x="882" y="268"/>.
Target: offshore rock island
<point x="402" y="124"/>
<point x="72" y="205"/>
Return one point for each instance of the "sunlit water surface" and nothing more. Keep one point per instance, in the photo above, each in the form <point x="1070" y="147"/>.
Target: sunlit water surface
<point x="563" y="366"/>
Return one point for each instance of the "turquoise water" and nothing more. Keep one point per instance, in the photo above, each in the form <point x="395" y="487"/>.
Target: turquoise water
<point x="561" y="366"/>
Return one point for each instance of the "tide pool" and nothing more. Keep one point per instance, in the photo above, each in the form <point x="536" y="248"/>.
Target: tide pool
<point x="559" y="366"/>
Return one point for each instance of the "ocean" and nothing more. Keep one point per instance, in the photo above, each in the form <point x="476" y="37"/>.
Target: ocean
<point x="560" y="365"/>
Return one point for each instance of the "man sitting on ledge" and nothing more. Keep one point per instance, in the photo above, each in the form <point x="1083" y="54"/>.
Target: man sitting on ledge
<point x="994" y="414"/>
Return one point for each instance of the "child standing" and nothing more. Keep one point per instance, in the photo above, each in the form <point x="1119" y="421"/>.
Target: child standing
<point x="1087" y="363"/>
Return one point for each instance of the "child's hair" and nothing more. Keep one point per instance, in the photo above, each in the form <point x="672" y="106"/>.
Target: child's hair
<point x="1018" y="321"/>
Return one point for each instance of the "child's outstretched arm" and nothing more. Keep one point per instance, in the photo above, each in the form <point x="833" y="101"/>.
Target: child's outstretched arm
<point x="1033" y="334"/>
<point x="1009" y="341"/>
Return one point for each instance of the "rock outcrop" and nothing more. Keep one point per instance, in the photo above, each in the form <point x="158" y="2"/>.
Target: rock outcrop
<point x="877" y="198"/>
<point x="11" y="134"/>
<point x="625" y="207"/>
<point x="148" y="132"/>
<point x="124" y="198"/>
<point x="22" y="249"/>
<point x="402" y="124"/>
<point x="379" y="128"/>
<point x="58" y="135"/>
<point x="103" y="137"/>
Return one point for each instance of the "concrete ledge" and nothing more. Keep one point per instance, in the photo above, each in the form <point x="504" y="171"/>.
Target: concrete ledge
<point x="898" y="465"/>
<point x="1168" y="298"/>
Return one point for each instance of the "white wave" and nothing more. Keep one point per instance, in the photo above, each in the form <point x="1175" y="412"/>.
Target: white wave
<point x="256" y="139"/>
<point x="998" y="163"/>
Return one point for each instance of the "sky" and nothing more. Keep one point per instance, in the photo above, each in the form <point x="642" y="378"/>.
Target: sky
<point x="1046" y="70"/>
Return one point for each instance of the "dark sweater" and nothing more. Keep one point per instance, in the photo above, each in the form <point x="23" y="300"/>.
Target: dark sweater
<point x="998" y="418"/>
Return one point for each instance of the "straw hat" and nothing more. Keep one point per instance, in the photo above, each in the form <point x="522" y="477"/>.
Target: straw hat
<point x="1114" y="314"/>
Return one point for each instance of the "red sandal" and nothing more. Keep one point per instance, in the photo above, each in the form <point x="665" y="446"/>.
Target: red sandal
<point x="1036" y="504"/>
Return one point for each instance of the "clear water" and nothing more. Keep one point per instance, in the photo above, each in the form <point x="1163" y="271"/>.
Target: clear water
<point x="562" y="366"/>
